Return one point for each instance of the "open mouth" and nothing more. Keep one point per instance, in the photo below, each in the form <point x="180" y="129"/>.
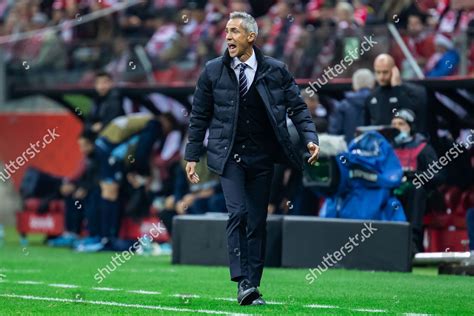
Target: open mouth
<point x="232" y="47"/>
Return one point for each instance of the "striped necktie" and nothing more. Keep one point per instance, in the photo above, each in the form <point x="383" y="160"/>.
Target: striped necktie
<point x="242" y="80"/>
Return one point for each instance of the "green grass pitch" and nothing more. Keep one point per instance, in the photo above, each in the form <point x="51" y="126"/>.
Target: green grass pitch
<point x="40" y="280"/>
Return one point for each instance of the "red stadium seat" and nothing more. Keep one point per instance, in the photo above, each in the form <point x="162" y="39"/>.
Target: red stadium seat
<point x="452" y="198"/>
<point x="131" y="229"/>
<point x="32" y="204"/>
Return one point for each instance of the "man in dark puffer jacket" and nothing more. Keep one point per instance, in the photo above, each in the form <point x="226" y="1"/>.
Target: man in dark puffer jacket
<point x="243" y="98"/>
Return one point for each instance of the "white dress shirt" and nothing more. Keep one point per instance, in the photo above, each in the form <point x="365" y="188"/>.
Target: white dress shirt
<point x="249" y="71"/>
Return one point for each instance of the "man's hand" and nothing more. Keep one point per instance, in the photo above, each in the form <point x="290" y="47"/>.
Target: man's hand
<point x="395" y="80"/>
<point x="314" y="151"/>
<point x="96" y="127"/>
<point x="80" y="193"/>
<point x="191" y="172"/>
<point x="67" y="188"/>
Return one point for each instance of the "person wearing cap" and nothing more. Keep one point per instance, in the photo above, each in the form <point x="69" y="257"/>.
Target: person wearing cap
<point x="415" y="155"/>
<point x="445" y="60"/>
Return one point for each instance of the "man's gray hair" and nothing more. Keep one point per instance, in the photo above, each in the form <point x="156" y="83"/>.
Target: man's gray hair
<point x="248" y="22"/>
<point x="363" y="78"/>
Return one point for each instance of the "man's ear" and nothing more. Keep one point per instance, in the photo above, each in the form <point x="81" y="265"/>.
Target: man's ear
<point x="251" y="37"/>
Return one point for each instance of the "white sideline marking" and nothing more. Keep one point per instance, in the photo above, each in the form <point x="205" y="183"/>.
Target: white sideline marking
<point x="144" y="292"/>
<point x="369" y="310"/>
<point x="164" y="308"/>
<point x="320" y="306"/>
<point x="226" y="299"/>
<point x="20" y="270"/>
<point x="29" y="282"/>
<point x="415" y="314"/>
<point x="106" y="289"/>
<point x="186" y="295"/>
<point x="65" y="286"/>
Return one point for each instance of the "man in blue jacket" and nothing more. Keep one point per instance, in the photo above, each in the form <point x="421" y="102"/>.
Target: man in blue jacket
<point x="243" y="98"/>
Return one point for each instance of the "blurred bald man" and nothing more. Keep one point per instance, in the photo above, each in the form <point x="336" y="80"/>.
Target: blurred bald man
<point x="391" y="95"/>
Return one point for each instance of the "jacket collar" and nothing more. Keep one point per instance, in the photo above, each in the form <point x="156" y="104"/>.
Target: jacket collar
<point x="262" y="64"/>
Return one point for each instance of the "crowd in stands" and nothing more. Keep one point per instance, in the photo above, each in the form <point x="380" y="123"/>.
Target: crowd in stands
<point x="178" y="36"/>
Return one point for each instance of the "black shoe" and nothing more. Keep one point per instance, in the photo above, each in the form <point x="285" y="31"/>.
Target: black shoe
<point x="247" y="293"/>
<point x="259" y="301"/>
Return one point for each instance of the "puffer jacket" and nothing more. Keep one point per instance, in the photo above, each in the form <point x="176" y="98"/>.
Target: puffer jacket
<point x="215" y="106"/>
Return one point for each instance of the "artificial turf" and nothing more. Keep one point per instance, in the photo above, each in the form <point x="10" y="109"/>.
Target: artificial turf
<point x="186" y="289"/>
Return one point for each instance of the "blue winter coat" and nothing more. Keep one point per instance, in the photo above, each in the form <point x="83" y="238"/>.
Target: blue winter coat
<point x="370" y="170"/>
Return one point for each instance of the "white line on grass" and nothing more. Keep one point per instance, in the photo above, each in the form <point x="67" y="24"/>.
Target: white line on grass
<point x="320" y="306"/>
<point x="144" y="292"/>
<point x="163" y="308"/>
<point x="186" y="295"/>
<point x="30" y="282"/>
<point x="65" y="286"/>
<point x="72" y="286"/>
<point x="366" y="310"/>
<point x="105" y="289"/>
<point x="20" y="270"/>
<point x="369" y="310"/>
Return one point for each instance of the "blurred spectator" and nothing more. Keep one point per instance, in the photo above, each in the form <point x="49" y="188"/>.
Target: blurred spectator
<point x="167" y="44"/>
<point x="122" y="57"/>
<point x="416" y="156"/>
<point x="134" y="19"/>
<point x="205" y="196"/>
<point x="167" y="157"/>
<point x="51" y="55"/>
<point x="348" y="33"/>
<point x="419" y="41"/>
<point x="318" y="112"/>
<point x="107" y="103"/>
<point x="124" y="148"/>
<point x="349" y="113"/>
<point x="361" y="11"/>
<point x="446" y="59"/>
<point x="454" y="16"/>
<point x="391" y="95"/>
<point x="81" y="196"/>
<point x="284" y="31"/>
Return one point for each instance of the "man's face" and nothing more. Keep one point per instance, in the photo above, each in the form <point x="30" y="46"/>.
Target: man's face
<point x="103" y="85"/>
<point x="415" y="26"/>
<point x="239" y="41"/>
<point x="312" y="103"/>
<point x="401" y="125"/>
<point x="85" y="146"/>
<point x="383" y="73"/>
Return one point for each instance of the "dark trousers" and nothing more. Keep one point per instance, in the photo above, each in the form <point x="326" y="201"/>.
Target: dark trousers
<point x="414" y="203"/>
<point x="246" y="183"/>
